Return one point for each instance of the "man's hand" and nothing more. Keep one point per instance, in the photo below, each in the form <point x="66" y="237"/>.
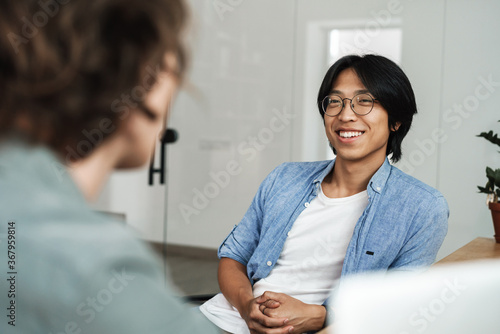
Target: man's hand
<point x="260" y="323"/>
<point x="303" y="317"/>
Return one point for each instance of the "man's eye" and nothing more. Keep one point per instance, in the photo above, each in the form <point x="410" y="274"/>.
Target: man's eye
<point x="365" y="101"/>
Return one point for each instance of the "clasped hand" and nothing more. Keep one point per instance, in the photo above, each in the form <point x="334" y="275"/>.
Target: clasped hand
<point x="276" y="313"/>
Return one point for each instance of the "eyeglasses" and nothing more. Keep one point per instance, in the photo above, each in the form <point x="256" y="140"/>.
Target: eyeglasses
<point x="361" y="104"/>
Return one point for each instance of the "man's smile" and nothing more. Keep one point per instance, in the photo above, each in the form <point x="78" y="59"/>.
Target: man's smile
<point x="349" y="134"/>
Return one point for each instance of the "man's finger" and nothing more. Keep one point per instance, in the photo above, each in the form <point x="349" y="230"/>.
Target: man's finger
<point x="271" y="303"/>
<point x="271" y="295"/>
<point x="273" y="322"/>
<point x="259" y="329"/>
<point x="261" y="299"/>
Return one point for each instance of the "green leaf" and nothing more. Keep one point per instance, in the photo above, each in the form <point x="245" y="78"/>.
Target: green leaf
<point x="493" y="176"/>
<point x="491" y="137"/>
<point x="483" y="190"/>
<point x="490" y="174"/>
<point x="497" y="177"/>
<point x="487" y="189"/>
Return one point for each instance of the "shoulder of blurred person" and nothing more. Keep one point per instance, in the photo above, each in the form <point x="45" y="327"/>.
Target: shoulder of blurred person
<point x="77" y="268"/>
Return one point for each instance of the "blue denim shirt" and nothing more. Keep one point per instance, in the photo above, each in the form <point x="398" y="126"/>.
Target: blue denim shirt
<point x="401" y="228"/>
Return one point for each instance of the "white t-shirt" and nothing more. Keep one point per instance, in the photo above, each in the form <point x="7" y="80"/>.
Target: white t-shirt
<point x="311" y="261"/>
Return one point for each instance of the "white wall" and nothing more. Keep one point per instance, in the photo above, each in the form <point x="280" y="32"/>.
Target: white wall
<point x="255" y="59"/>
<point x="233" y="126"/>
<point x="472" y="54"/>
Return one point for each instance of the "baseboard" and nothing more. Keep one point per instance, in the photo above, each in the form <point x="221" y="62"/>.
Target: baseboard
<point x="183" y="250"/>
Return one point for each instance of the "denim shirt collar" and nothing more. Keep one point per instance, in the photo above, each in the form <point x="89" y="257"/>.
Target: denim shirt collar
<point x="376" y="184"/>
<point x="379" y="179"/>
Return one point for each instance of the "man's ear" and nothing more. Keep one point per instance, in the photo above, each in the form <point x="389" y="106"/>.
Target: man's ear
<point x="395" y="127"/>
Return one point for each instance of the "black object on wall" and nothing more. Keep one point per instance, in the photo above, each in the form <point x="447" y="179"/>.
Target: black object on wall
<point x="169" y="136"/>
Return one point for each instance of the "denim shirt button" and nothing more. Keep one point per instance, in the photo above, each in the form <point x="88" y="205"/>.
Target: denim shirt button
<point x="306" y="204"/>
<point x="378" y="188"/>
<point x="269" y="263"/>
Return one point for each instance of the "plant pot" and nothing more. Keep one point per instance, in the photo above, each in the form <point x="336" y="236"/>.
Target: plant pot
<point x="495" y="214"/>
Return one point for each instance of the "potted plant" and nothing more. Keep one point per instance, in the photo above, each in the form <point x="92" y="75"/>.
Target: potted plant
<point x="492" y="187"/>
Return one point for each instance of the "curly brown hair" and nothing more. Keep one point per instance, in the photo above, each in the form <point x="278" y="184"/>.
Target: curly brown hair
<point x="66" y="65"/>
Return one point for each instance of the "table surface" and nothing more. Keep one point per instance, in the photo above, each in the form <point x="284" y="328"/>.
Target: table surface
<point x="477" y="249"/>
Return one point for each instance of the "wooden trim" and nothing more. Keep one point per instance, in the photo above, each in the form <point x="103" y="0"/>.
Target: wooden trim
<point x="478" y="249"/>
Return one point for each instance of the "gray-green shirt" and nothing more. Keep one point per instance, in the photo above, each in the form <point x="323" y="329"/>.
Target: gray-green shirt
<point x="69" y="269"/>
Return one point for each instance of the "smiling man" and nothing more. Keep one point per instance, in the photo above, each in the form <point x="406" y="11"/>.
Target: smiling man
<point x="313" y="223"/>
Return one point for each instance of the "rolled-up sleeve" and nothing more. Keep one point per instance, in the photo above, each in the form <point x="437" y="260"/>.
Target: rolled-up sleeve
<point x="244" y="238"/>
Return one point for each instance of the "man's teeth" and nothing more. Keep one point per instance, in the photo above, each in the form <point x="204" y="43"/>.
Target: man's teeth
<point x="349" y="134"/>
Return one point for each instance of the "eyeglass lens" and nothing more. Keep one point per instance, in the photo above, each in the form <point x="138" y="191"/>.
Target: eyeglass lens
<point x="361" y="104"/>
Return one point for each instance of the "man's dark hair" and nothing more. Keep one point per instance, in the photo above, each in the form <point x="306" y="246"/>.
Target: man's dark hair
<point x="388" y="84"/>
<point x="64" y="64"/>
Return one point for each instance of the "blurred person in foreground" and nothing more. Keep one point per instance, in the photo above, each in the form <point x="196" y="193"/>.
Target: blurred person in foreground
<point x="85" y="88"/>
